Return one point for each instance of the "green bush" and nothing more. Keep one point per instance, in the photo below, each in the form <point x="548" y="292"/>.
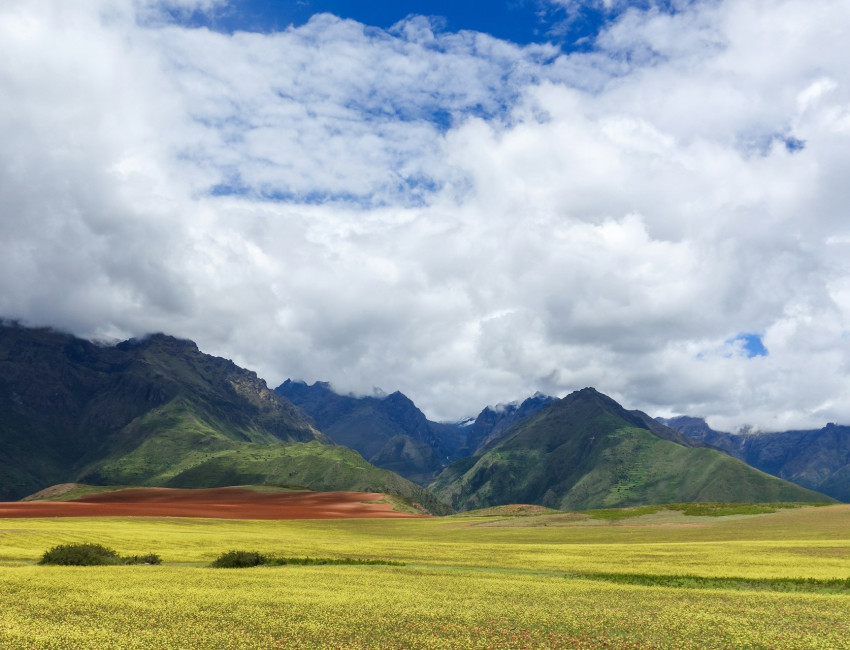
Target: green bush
<point x="93" y="555"/>
<point x="347" y="561"/>
<point x="150" y="558"/>
<point x="243" y="559"/>
<point x="80" y="555"/>
<point x="239" y="560"/>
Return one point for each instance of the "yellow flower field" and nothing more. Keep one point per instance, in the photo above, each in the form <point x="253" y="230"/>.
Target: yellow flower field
<point x="467" y="583"/>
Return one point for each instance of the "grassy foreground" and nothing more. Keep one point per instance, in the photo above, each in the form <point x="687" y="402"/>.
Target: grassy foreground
<point x="537" y="581"/>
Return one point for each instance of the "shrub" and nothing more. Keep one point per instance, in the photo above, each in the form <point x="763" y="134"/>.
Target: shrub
<point x="93" y="555"/>
<point x="243" y="559"/>
<point x="282" y="561"/>
<point x="239" y="560"/>
<point x="80" y="555"/>
<point x="150" y="558"/>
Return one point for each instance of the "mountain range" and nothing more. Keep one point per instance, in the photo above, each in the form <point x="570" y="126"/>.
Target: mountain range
<point x="391" y="432"/>
<point x="388" y="431"/>
<point x="156" y="411"/>
<point x="818" y="459"/>
<point x="586" y="451"/>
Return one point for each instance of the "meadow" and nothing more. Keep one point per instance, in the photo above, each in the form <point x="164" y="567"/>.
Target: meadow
<point x="657" y="579"/>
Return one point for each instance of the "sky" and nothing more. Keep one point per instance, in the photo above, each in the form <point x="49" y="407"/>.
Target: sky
<point x="569" y="24"/>
<point x="468" y="202"/>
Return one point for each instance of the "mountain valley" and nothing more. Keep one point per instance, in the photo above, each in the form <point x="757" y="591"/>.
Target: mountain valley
<point x="158" y="412"/>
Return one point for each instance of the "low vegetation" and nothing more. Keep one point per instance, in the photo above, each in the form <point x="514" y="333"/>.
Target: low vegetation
<point x="245" y="559"/>
<point x="87" y="554"/>
<point x="512" y="510"/>
<point x="699" y="509"/>
<point x="775" y="580"/>
<point x="810" y="585"/>
<point x="239" y="560"/>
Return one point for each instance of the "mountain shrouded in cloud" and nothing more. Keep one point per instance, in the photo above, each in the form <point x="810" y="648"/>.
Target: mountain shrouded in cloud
<point x="462" y="218"/>
<point x="159" y="412"/>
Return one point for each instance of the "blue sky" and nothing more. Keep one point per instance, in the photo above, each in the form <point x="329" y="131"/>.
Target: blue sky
<point x="646" y="197"/>
<point x="519" y="21"/>
<point x="752" y="345"/>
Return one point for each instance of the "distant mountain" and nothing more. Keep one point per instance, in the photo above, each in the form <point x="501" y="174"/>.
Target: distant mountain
<point x="492" y="423"/>
<point x="495" y="421"/>
<point x="156" y="411"/>
<point x="391" y="432"/>
<point x="388" y="431"/>
<point x="818" y="459"/>
<point x="587" y="451"/>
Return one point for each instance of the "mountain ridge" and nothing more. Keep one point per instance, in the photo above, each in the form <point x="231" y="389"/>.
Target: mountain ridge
<point x="391" y="432"/>
<point x="818" y="459"/>
<point x="156" y="411"/>
<point x="388" y="430"/>
<point x="586" y="451"/>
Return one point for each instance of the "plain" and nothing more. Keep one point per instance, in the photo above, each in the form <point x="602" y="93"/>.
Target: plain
<point x="469" y="581"/>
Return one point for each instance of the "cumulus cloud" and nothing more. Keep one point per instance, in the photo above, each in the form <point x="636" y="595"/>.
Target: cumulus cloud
<point x="451" y="215"/>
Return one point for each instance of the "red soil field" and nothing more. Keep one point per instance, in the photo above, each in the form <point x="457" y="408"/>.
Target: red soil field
<point x="218" y="503"/>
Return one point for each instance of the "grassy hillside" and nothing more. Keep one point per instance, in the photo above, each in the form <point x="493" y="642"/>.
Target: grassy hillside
<point x="586" y="452"/>
<point x="158" y="412"/>
<point x="312" y="465"/>
<point x="67" y="404"/>
<point x="180" y="448"/>
<point x="817" y="459"/>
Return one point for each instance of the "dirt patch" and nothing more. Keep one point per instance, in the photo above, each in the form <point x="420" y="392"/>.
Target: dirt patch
<point x="217" y="503"/>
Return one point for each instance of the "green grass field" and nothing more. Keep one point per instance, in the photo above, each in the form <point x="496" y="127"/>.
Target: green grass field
<point x="658" y="579"/>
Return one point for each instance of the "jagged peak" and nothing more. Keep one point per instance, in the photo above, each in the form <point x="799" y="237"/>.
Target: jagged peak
<point x="509" y="407"/>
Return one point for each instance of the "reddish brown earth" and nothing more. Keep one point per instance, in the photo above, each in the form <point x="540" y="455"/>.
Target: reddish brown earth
<point x="219" y="503"/>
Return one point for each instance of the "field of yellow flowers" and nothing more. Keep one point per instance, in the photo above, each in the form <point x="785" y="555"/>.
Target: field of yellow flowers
<point x="547" y="581"/>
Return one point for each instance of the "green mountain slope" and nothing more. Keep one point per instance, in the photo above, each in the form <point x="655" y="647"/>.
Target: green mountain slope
<point x="223" y="463"/>
<point x="157" y="412"/>
<point x="818" y="459"/>
<point x="183" y="450"/>
<point x="586" y="451"/>
<point x="66" y="403"/>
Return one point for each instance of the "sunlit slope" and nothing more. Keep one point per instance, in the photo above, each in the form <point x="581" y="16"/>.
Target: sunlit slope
<point x="586" y="451"/>
<point x="66" y="404"/>
<point x="181" y="449"/>
<point x="158" y="412"/>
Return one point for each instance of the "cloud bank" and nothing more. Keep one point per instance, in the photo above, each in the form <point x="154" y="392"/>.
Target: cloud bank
<point x="447" y="214"/>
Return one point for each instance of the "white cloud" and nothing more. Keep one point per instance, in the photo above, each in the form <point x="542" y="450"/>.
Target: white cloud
<point x="450" y="215"/>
